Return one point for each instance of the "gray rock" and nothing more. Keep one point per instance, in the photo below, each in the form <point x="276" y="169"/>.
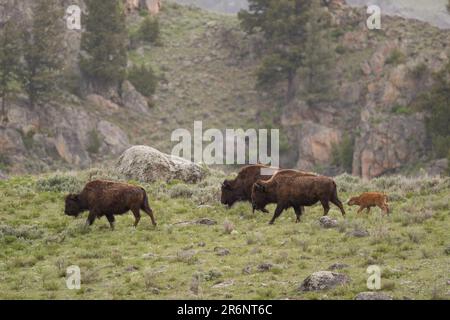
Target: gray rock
<point x="264" y="267"/>
<point x="323" y="280"/>
<point x="338" y="266"/>
<point x="133" y="100"/>
<point x="327" y="222"/>
<point x="147" y="164"/>
<point x="358" y="233"/>
<point x="372" y="296"/>
<point x="221" y="251"/>
<point x="206" y="221"/>
<point x="114" y="139"/>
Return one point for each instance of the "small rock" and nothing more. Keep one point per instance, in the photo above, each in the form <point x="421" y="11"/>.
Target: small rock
<point x="372" y="296"/>
<point x="223" y="284"/>
<point x="206" y="221"/>
<point x="201" y="244"/>
<point x="247" y="270"/>
<point x="338" y="266"/>
<point x="358" y="233"/>
<point x="265" y="267"/>
<point x="148" y="255"/>
<point x="221" y="251"/>
<point x="234" y="232"/>
<point x="327" y="223"/>
<point x="323" y="280"/>
<point x="131" y="269"/>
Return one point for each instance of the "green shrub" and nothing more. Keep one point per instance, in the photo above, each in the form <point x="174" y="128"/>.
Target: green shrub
<point x="94" y="142"/>
<point x="419" y="71"/>
<point x="401" y="110"/>
<point x="342" y="154"/>
<point x="340" y="49"/>
<point x="149" y="30"/>
<point x="59" y="183"/>
<point x="143" y="79"/>
<point x="396" y="57"/>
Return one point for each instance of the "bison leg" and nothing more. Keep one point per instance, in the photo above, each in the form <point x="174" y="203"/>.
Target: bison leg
<point x="111" y="220"/>
<point x="339" y="204"/>
<point x="149" y="211"/>
<point x="91" y="218"/>
<point x="137" y="216"/>
<point x="298" y="213"/>
<point x="150" y="214"/>
<point x="360" y="209"/>
<point x="326" y="207"/>
<point x="368" y="210"/>
<point x="277" y="213"/>
<point x="265" y="210"/>
<point x="385" y="208"/>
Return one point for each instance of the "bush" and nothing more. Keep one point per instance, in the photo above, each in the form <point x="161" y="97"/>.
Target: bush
<point x="396" y="57"/>
<point x="343" y="154"/>
<point x="149" y="30"/>
<point x="59" y="183"/>
<point x="143" y="79"/>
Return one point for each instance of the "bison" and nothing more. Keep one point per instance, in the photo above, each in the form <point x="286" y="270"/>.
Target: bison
<point x="370" y="199"/>
<point x="108" y="198"/>
<point x="240" y="189"/>
<point x="295" y="190"/>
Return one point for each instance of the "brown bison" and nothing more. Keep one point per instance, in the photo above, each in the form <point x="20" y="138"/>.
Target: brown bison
<point x="295" y="190"/>
<point x="108" y="198"/>
<point x="370" y="199"/>
<point x="240" y="189"/>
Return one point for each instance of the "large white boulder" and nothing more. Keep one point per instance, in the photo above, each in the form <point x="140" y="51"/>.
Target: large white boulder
<point x="147" y="164"/>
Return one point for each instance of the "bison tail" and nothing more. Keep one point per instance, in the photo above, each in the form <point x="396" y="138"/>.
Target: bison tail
<point x="145" y="204"/>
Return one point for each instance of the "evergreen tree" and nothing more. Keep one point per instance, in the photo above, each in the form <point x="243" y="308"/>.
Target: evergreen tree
<point x="286" y="26"/>
<point x="42" y="52"/>
<point x="283" y="24"/>
<point x="103" y="58"/>
<point x="437" y="106"/>
<point x="9" y="61"/>
<point x="317" y="52"/>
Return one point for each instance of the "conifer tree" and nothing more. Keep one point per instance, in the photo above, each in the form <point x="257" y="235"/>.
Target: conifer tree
<point x="9" y="60"/>
<point x="103" y="58"/>
<point x="42" y="52"/>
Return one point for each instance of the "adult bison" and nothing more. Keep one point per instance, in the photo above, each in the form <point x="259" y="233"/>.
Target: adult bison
<point x="295" y="190"/>
<point x="108" y="198"/>
<point x="240" y="189"/>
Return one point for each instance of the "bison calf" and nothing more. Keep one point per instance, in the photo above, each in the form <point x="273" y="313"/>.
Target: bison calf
<point x="295" y="190"/>
<point x="370" y="199"/>
<point x="107" y="198"/>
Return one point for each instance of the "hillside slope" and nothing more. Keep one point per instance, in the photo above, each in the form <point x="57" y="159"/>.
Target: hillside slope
<point x="237" y="255"/>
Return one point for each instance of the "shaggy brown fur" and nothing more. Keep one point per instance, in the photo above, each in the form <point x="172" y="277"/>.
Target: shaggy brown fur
<point x="295" y="190"/>
<point x="370" y="199"/>
<point x="240" y="189"/>
<point x="108" y="198"/>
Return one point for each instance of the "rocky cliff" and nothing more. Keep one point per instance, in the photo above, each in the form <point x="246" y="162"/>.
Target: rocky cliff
<point x="377" y="75"/>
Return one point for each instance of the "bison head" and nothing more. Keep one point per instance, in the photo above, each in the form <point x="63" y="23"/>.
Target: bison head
<point x="352" y="201"/>
<point x="73" y="206"/>
<point x="229" y="195"/>
<point x="259" y="196"/>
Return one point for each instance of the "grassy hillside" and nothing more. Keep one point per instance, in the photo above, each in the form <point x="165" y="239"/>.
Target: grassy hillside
<point x="207" y="74"/>
<point x="239" y="257"/>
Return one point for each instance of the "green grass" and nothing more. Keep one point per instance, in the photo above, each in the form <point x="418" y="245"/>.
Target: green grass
<point x="38" y="242"/>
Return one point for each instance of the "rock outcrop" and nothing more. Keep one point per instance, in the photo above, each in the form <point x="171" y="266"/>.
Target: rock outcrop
<point x="147" y="164"/>
<point x="323" y="280"/>
<point x="375" y="82"/>
<point x="37" y="139"/>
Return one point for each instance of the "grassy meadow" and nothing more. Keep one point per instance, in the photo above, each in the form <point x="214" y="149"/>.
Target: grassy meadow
<point x="239" y="257"/>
